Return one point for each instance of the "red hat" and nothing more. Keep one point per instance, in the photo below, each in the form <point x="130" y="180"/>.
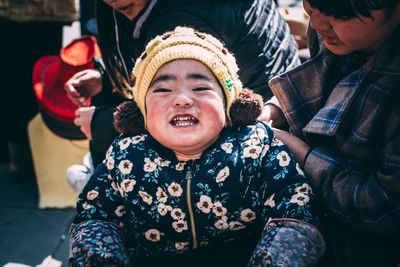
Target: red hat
<point x="50" y="73"/>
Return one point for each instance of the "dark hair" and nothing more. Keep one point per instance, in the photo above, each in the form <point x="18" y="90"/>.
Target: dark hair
<point x="348" y="9"/>
<point x="109" y="47"/>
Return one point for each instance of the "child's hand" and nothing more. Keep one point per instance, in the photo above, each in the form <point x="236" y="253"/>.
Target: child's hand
<point x="83" y="119"/>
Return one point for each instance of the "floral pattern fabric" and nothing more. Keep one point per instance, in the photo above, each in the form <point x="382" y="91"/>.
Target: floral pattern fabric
<point x="161" y="206"/>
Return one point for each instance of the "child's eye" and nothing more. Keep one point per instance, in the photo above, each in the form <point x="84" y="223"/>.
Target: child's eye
<point x="201" y="89"/>
<point x="161" y="90"/>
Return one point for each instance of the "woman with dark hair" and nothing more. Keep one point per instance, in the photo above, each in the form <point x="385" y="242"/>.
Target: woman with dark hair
<point x="253" y="30"/>
<point x="342" y="107"/>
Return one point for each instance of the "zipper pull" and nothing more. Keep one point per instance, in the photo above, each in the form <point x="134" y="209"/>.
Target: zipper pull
<point x="189" y="175"/>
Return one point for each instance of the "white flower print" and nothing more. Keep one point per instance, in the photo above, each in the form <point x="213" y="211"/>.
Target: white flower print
<point x="222" y="175"/>
<point x="175" y="189"/>
<point x="161" y="195"/>
<point x="205" y="204"/>
<point x="180" y="166"/>
<point x="227" y="147"/>
<point x="247" y="215"/>
<point x="125" y="166"/>
<point x="108" y="153"/>
<point x="110" y="163"/>
<point x="149" y="166"/>
<point x="120" y="211"/>
<point x="180" y="226"/>
<point x="162" y="162"/>
<point x="270" y="201"/>
<point x="153" y="235"/>
<point x="148" y="199"/>
<point x="124" y="143"/>
<point x="276" y="142"/>
<point x="260" y="133"/>
<point x="252" y="141"/>
<point x="298" y="169"/>
<point x="221" y="224"/>
<point x="300" y="199"/>
<point x="163" y="209"/>
<point x="283" y="158"/>
<point x="182" y="245"/>
<point x="218" y="209"/>
<point x="138" y="138"/>
<point x="86" y="206"/>
<point x="304" y="188"/>
<point x="252" y="151"/>
<point x="127" y="185"/>
<point x="177" y="214"/>
<point x="264" y="151"/>
<point x="235" y="225"/>
<point x="117" y="188"/>
<point x="92" y="194"/>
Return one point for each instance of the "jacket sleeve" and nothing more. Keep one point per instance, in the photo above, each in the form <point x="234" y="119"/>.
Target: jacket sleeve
<point x="365" y="195"/>
<point x="262" y="51"/>
<point x="289" y="212"/>
<point x="96" y="234"/>
<point x="102" y="127"/>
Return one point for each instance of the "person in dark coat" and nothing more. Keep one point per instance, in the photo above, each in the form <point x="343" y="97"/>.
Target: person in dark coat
<point x="253" y="30"/>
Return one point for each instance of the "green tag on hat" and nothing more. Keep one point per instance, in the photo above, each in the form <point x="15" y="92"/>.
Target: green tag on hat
<point x="229" y="84"/>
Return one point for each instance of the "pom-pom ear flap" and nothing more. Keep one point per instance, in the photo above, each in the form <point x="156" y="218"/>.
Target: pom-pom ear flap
<point x="129" y="119"/>
<point x="246" y="108"/>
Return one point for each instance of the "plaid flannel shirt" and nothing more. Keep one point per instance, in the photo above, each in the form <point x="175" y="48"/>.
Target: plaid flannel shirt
<point x="354" y="131"/>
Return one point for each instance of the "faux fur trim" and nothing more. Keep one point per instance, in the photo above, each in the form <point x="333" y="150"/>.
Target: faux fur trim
<point x="246" y="108"/>
<point x="129" y="119"/>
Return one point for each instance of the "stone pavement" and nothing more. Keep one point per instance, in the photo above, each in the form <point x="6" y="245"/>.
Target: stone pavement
<point x="29" y="234"/>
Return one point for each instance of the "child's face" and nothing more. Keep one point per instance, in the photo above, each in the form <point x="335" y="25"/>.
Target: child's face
<point x="185" y="107"/>
<point x="357" y="34"/>
<point x="129" y="8"/>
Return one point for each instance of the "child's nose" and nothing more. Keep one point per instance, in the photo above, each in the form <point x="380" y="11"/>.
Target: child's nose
<point x="183" y="100"/>
<point x="319" y="21"/>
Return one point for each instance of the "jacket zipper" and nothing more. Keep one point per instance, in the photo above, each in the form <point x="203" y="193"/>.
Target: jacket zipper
<point x="189" y="176"/>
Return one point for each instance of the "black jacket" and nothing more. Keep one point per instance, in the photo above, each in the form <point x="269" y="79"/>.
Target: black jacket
<point x="254" y="31"/>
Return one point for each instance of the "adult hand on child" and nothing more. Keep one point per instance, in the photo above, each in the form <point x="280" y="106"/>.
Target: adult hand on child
<point x="272" y="114"/>
<point x="83" y="119"/>
<point x="82" y="85"/>
<point x="297" y="146"/>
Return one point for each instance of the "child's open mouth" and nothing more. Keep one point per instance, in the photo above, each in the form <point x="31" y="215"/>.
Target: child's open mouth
<point x="184" y="121"/>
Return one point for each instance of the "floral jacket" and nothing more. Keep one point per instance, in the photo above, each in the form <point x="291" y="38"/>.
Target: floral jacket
<point x="143" y="202"/>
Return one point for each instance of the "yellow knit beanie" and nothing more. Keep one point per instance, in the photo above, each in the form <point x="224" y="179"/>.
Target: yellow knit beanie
<point x="186" y="43"/>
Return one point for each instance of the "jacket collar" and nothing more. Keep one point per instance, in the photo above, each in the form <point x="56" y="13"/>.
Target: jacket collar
<point x="141" y="19"/>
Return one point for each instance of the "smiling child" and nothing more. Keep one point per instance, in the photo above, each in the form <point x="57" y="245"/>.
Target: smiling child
<point x="193" y="174"/>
